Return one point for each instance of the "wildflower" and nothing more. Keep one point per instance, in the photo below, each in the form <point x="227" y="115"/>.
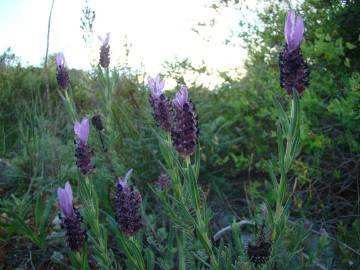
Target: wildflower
<point x="259" y="251"/>
<point x="184" y="132"/>
<point x="105" y="51"/>
<point x="127" y="205"/>
<point x="83" y="151"/>
<point x="71" y="221"/>
<point x="163" y="181"/>
<point x="62" y="75"/>
<point x="294" y="72"/>
<point x="160" y="104"/>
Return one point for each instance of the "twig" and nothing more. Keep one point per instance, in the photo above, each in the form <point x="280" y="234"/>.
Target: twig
<point x="47" y="93"/>
<point x="220" y="233"/>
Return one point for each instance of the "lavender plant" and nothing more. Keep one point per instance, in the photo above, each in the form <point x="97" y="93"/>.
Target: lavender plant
<point x="178" y="190"/>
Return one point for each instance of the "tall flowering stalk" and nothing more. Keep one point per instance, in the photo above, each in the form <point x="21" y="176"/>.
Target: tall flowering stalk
<point x="71" y="222"/>
<point x="294" y="78"/>
<point x="97" y="233"/>
<point x="161" y="105"/>
<point x="62" y="77"/>
<point x="83" y="151"/>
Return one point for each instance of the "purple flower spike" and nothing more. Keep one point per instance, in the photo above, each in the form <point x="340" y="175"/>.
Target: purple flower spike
<point x="294" y="72"/>
<point x="65" y="199"/>
<point x="127" y="206"/>
<point x="294" y="30"/>
<point x="62" y="75"/>
<point x="71" y="222"/>
<point x="181" y="97"/>
<point x="184" y="132"/>
<point x="162" y="109"/>
<point x="105" y="51"/>
<point x="83" y="151"/>
<point x="82" y="130"/>
<point x="156" y="85"/>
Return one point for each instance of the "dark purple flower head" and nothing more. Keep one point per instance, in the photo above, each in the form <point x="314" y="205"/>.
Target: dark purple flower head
<point x="105" y="51"/>
<point x="294" y="30"/>
<point x="156" y="86"/>
<point x="184" y="132"/>
<point x="127" y="206"/>
<point x="162" y="109"/>
<point x="65" y="198"/>
<point x="62" y="75"/>
<point x="83" y="151"/>
<point x="82" y="130"/>
<point x="294" y="72"/>
<point x="259" y="251"/>
<point x="71" y="222"/>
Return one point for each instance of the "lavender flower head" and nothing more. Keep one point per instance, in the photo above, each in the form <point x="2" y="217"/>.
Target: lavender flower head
<point x="105" y="51"/>
<point x="83" y="151"/>
<point x="71" y="221"/>
<point x="294" y="73"/>
<point x="127" y="206"/>
<point x="184" y="131"/>
<point x="62" y="75"/>
<point x="160" y="103"/>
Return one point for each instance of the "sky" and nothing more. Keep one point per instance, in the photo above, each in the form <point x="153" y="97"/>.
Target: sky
<point x="158" y="31"/>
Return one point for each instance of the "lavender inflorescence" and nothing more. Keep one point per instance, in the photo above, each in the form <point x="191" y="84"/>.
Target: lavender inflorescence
<point x="83" y="151"/>
<point x="127" y="206"/>
<point x="259" y="252"/>
<point x="75" y="235"/>
<point x="162" y="107"/>
<point x="105" y="56"/>
<point x="184" y="131"/>
<point x="294" y="72"/>
<point x="62" y="75"/>
<point x="104" y="60"/>
<point x="83" y="157"/>
<point x="162" y="111"/>
<point x="71" y="222"/>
